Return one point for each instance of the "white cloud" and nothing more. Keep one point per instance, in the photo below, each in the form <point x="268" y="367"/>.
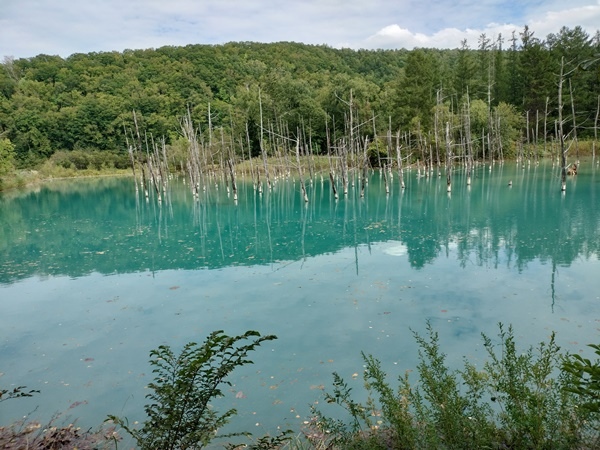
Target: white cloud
<point x="63" y="27"/>
<point x="588" y="17"/>
<point x="394" y="36"/>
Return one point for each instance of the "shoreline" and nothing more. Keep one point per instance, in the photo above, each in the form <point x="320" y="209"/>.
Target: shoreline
<point x="28" y="178"/>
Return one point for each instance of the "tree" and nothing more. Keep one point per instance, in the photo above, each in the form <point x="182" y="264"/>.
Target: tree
<point x="7" y="156"/>
<point x="500" y="86"/>
<point x="507" y="124"/>
<point x="575" y="46"/>
<point x="416" y="89"/>
<point x="485" y="68"/>
<point x="464" y="70"/>
<point x="537" y="72"/>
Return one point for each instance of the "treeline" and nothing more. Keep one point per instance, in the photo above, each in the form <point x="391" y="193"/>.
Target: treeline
<point x="84" y="102"/>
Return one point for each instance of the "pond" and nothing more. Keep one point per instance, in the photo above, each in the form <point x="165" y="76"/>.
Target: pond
<point x="93" y="276"/>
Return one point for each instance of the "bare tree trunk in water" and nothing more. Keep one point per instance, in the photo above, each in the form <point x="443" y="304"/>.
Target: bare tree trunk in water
<point x="233" y="183"/>
<point x="499" y="134"/>
<point x="331" y="176"/>
<point x="448" y="160"/>
<point x="399" y="158"/>
<point x="302" y="186"/>
<point x="574" y="122"/>
<point x="130" y="150"/>
<point x="310" y="157"/>
<point x="387" y="187"/>
<point x="345" y="175"/>
<point x="546" y="124"/>
<point x="257" y="181"/>
<point x="528" y="143"/>
<point x="596" y="131"/>
<point x="436" y="130"/>
<point x="561" y="138"/>
<point x="262" y="145"/>
<point x="469" y="143"/>
<point x="139" y="147"/>
<point x="364" y="168"/>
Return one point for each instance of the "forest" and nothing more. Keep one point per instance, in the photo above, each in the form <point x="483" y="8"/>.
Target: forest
<point x="498" y="94"/>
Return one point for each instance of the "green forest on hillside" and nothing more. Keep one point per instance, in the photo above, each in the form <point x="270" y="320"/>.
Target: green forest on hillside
<point x="84" y="102"/>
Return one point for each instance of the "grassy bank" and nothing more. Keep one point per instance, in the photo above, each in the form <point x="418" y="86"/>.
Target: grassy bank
<point x="81" y="164"/>
<point x="23" y="178"/>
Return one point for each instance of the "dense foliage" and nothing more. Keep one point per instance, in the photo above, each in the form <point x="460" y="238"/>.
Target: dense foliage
<point x="587" y="376"/>
<point x="180" y="414"/>
<point x="85" y="101"/>
<point x="516" y="399"/>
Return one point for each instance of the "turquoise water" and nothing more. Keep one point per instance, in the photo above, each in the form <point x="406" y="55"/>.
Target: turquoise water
<point x="92" y="277"/>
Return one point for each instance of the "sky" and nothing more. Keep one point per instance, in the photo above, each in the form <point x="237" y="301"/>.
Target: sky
<point x="63" y="27"/>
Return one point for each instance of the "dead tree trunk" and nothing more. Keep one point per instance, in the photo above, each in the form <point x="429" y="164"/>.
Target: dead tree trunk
<point x="448" y="160"/>
<point x="596" y="130"/>
<point x="309" y="155"/>
<point x="535" y="137"/>
<point x="469" y="144"/>
<point x="256" y="181"/>
<point x="345" y="175"/>
<point x="233" y="182"/>
<point x="385" y="179"/>
<point x="262" y="144"/>
<point x="499" y="135"/>
<point x="527" y="141"/>
<point x="436" y="129"/>
<point x="331" y="171"/>
<point x="300" y="174"/>
<point x="194" y="164"/>
<point x="561" y="138"/>
<point x="130" y="150"/>
<point x="574" y="122"/>
<point x="364" y="168"/>
<point x="483" y="146"/>
<point x="399" y="159"/>
<point x="546" y="124"/>
<point x="139" y="148"/>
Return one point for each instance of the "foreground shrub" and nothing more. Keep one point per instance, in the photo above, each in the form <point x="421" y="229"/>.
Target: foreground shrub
<point x="586" y="376"/>
<point x="179" y="415"/>
<point x="516" y="400"/>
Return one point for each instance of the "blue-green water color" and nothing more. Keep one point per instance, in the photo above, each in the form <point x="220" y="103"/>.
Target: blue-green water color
<point x="93" y="276"/>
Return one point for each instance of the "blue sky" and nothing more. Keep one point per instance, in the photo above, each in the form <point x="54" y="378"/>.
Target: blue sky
<point x="64" y="27"/>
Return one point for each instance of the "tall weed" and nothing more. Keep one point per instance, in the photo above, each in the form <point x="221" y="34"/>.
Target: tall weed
<point x="518" y="399"/>
<point x="180" y="415"/>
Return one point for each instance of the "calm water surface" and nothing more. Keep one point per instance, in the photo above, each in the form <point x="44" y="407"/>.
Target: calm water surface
<point x="92" y="277"/>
